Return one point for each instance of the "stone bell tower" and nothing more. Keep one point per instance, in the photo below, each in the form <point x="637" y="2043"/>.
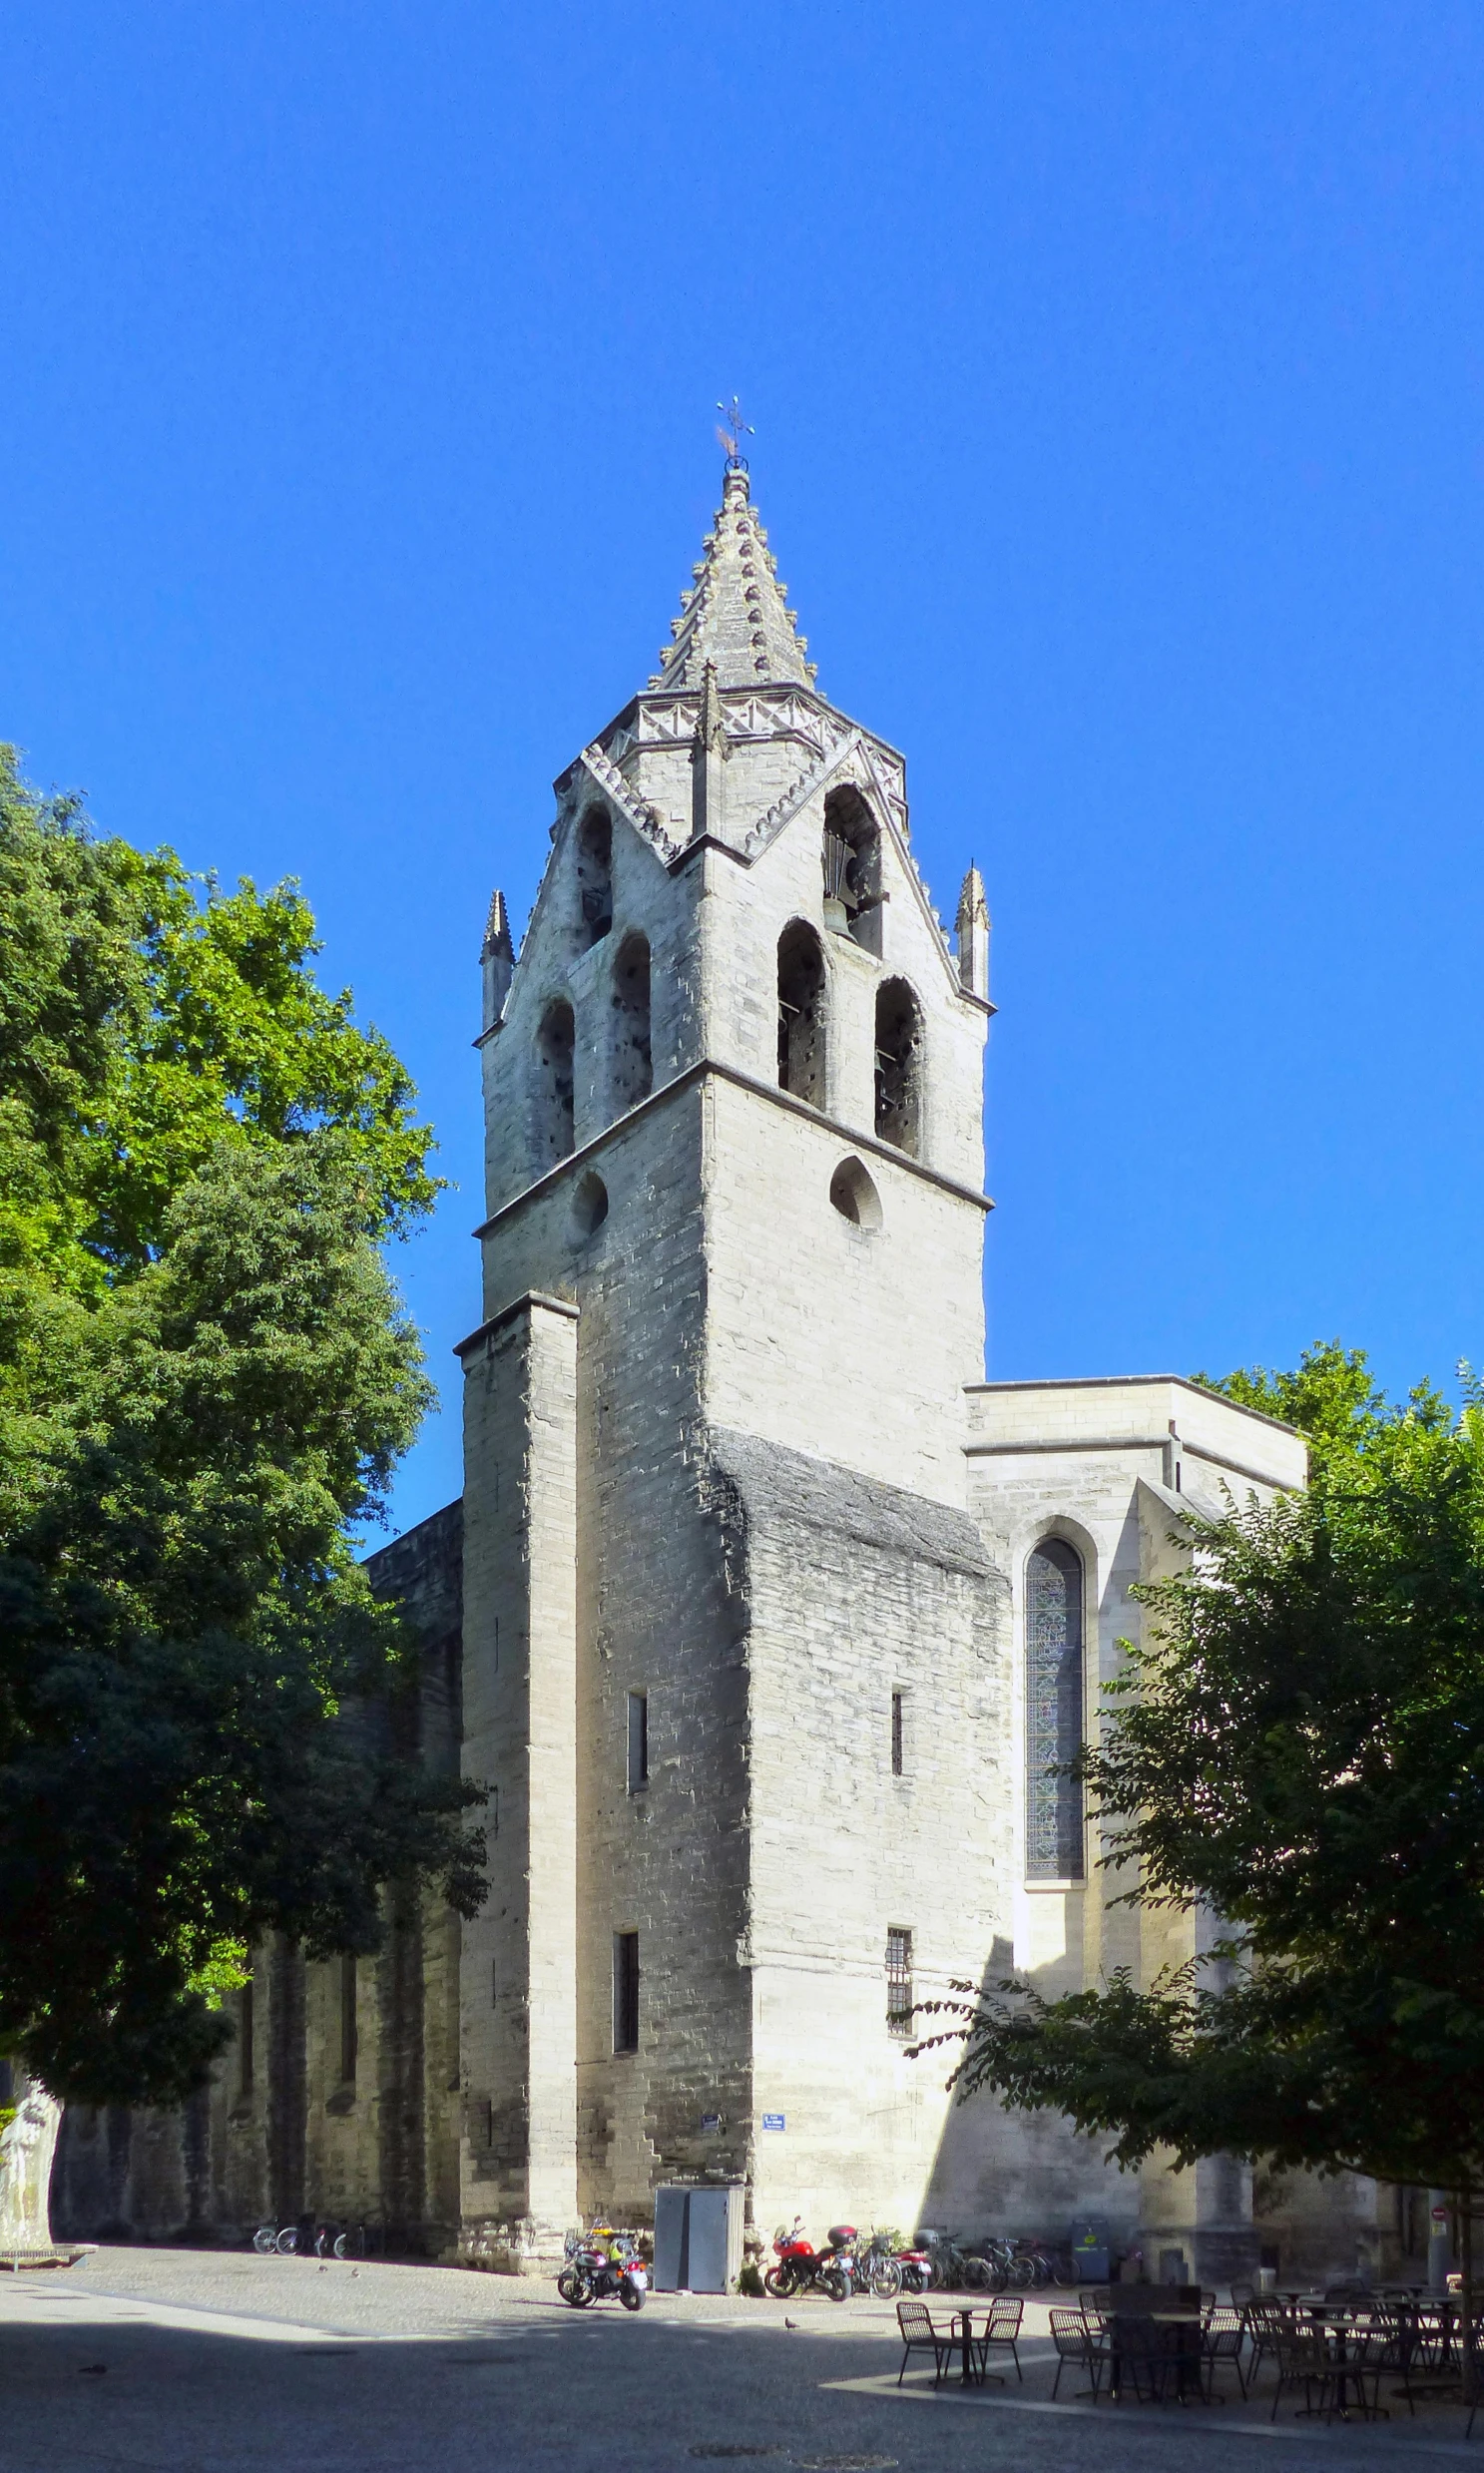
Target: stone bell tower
<point x="717" y="1567"/>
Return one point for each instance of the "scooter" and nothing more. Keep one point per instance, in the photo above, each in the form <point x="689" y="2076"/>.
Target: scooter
<point x="603" y="2265"/>
<point x="804" y="2268"/>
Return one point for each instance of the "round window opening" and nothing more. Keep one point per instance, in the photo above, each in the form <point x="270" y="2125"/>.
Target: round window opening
<point x="588" y="1207"/>
<point x="854" y="1196"/>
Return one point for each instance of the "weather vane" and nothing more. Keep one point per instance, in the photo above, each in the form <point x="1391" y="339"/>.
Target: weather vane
<point x="731" y="435"/>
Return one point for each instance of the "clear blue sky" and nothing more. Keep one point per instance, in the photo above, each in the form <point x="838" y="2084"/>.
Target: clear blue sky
<point x="1115" y="373"/>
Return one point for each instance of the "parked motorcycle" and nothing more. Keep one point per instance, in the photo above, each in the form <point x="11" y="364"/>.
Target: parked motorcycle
<point x="603" y="2265"/>
<point x="804" y="2268"/>
<point x="916" y="2269"/>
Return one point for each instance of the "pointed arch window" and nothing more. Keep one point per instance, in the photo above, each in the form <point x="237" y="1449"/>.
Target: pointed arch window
<point x="554" y="1084"/>
<point x="1053" y="1711"/>
<point x="900" y="1067"/>
<point x="853" y="867"/>
<point x="633" y="1067"/>
<point x="802" y="1014"/>
<point x="594" y="877"/>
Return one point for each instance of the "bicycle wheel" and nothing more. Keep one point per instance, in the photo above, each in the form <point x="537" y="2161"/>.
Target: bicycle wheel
<point x="975" y="2275"/>
<point x="264" y="2240"/>
<point x="287" y="2240"/>
<point x="887" y="2280"/>
<point x="1022" y="2273"/>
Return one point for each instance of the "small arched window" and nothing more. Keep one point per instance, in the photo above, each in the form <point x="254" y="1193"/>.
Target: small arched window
<point x="802" y="1014"/>
<point x="853" y="867"/>
<point x="553" y="1111"/>
<point x="594" y="877"/>
<point x="633" y="1069"/>
<point x="900" y="1067"/>
<point x="1053" y="1712"/>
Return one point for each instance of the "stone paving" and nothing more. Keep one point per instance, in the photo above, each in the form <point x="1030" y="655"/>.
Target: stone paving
<point x="204" y="2361"/>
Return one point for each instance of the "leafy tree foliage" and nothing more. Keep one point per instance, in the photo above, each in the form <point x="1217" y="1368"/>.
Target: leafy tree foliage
<point x="205" y="1378"/>
<point x="1297" y="1744"/>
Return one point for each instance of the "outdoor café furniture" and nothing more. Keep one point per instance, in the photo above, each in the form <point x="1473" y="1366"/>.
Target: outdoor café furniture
<point x="1302" y="2360"/>
<point x="975" y="2349"/>
<point x="1077" y="2340"/>
<point x="1265" y="2319"/>
<point x="1153" y="2341"/>
<point x="1003" y="2328"/>
<point x="1223" y="2334"/>
<point x="915" y="2323"/>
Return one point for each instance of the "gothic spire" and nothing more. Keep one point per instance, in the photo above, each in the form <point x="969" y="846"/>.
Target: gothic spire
<point x="735" y="621"/>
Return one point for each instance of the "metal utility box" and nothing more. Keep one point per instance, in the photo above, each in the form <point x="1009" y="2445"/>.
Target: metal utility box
<point x="1090" y="2249"/>
<point x="697" y="2238"/>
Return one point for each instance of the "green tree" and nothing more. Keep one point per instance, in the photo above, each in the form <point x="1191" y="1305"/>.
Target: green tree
<point x="205" y="1381"/>
<point x="1297" y="1744"/>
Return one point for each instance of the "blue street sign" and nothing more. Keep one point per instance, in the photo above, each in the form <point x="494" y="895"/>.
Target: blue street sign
<point x="774" y="2120"/>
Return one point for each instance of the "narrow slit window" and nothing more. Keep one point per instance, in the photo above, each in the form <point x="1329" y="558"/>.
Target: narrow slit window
<point x="349" y="2029"/>
<point x="626" y="1992"/>
<point x="897" y="1745"/>
<point x="638" y="1741"/>
<point x="244" y="2040"/>
<point x="898" y="1981"/>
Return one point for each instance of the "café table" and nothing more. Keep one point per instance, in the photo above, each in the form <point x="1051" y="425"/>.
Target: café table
<point x="1177" y="2346"/>
<point x="963" y="2321"/>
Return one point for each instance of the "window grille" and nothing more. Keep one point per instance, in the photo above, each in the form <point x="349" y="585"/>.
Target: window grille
<point x="898" y="1980"/>
<point x="896" y="1734"/>
<point x="1053" y="1712"/>
<point x="626" y="1992"/>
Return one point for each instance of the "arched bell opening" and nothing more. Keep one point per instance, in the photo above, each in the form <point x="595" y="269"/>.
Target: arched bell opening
<point x="594" y="877"/>
<point x="853" y="867"/>
<point x="899" y="1041"/>
<point x="802" y="1014"/>
<point x="632" y="1065"/>
<point x="553" y="1083"/>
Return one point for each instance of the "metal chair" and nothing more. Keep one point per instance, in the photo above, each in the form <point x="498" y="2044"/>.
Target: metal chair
<point x="1076" y="2341"/>
<point x="1223" y="2334"/>
<point x="915" y="2324"/>
<point x="1304" y="2359"/>
<point x="1003" y="2328"/>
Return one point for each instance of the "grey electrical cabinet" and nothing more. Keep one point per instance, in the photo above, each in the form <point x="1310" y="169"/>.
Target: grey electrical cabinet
<point x="697" y="2238"/>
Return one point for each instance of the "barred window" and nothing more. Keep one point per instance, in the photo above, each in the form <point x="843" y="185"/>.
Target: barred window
<point x="898" y="1980"/>
<point x="1053" y="1712"/>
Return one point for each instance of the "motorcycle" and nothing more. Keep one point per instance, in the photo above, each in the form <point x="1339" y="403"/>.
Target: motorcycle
<point x="804" y="2268"/>
<point x="916" y="2269"/>
<point x="603" y="2265"/>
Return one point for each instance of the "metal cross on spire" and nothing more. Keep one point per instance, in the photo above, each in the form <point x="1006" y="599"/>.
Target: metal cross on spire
<point x="731" y="435"/>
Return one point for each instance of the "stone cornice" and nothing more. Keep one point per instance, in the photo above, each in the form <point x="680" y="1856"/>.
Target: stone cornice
<point x="712" y="1067"/>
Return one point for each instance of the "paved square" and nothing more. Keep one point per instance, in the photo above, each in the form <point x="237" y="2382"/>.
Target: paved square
<point x="204" y="2361"/>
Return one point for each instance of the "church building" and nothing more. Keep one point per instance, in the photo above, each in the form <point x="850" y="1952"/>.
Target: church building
<point x="766" y="1622"/>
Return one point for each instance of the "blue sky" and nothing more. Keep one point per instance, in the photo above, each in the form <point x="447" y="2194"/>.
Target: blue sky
<point x="1115" y="375"/>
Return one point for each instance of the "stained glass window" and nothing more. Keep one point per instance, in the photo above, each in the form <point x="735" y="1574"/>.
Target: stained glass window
<point x="1053" y="1712"/>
